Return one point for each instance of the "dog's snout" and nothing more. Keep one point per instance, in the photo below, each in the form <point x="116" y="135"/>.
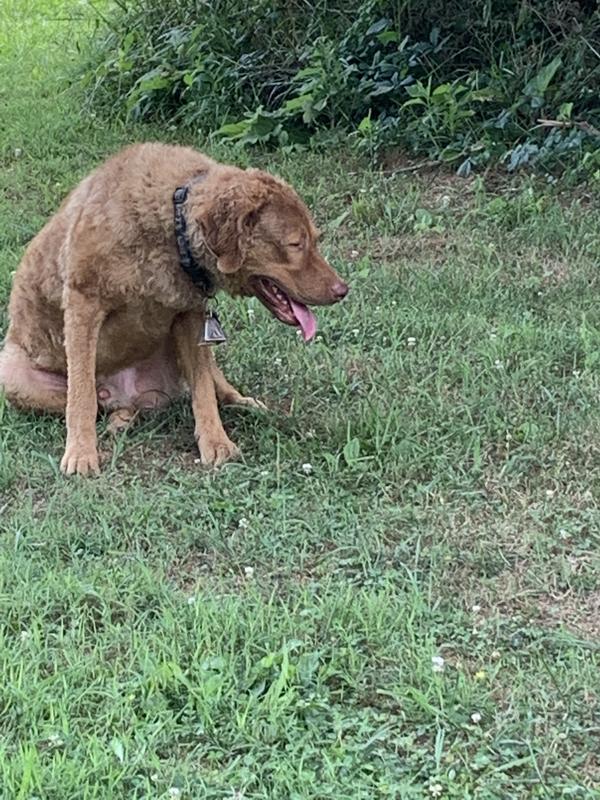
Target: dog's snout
<point x="339" y="290"/>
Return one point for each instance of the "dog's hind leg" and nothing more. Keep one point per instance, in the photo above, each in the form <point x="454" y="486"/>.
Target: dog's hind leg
<point x="27" y="386"/>
<point x="228" y="394"/>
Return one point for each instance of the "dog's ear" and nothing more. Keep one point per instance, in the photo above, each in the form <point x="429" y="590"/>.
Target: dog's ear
<point x="229" y="222"/>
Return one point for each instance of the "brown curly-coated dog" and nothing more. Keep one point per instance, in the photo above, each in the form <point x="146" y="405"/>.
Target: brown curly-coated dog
<point x="102" y="312"/>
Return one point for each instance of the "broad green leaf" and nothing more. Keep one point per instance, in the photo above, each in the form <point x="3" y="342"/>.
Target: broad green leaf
<point x="365" y="125"/>
<point x="540" y="82"/>
<point x="116" y="746"/>
<point x="388" y="36"/>
<point x="378" y="26"/>
<point x="153" y="84"/>
<point x="296" y="103"/>
<point x="234" y="129"/>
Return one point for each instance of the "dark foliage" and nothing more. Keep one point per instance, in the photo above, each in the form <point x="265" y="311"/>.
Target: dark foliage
<point x="466" y="83"/>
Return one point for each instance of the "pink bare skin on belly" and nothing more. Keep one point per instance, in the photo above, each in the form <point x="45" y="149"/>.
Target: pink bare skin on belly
<point x="151" y="383"/>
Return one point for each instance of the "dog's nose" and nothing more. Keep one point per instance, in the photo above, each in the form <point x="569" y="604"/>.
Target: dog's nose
<point x="340" y="290"/>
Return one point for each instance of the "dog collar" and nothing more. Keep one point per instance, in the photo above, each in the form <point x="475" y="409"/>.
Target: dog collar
<point x="198" y="273"/>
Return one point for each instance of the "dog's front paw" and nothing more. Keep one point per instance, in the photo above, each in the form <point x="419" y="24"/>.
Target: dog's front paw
<point x="81" y="459"/>
<point x="216" y="451"/>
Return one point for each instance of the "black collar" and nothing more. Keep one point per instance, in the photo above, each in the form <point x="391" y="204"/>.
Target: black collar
<point x="199" y="274"/>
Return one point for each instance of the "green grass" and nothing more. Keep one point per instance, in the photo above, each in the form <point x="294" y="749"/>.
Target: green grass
<point x="268" y="631"/>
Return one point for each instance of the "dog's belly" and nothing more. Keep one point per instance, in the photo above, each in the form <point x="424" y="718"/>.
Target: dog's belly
<point x="136" y="364"/>
<point x="150" y="383"/>
<point x="131" y="335"/>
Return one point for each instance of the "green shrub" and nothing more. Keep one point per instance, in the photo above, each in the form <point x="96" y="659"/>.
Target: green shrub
<point x="465" y="83"/>
<point x="197" y="61"/>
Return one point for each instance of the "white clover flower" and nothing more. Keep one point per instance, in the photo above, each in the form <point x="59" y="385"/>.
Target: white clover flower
<point x="436" y="789"/>
<point x="476" y="718"/>
<point x="437" y="664"/>
<point x="250" y="312"/>
<point x="249" y="572"/>
<point x="191" y="600"/>
<point x="18" y="152"/>
<point x="476" y="609"/>
<point x="307" y="468"/>
<point x="354" y="254"/>
<point x="549" y="493"/>
<point x="498" y="364"/>
<point x="411" y="341"/>
<point x="243" y="523"/>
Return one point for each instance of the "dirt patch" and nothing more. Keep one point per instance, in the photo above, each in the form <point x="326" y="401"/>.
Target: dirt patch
<point x="513" y="593"/>
<point x="579" y="613"/>
<point x="555" y="269"/>
<point x="432" y="247"/>
<point x="190" y="572"/>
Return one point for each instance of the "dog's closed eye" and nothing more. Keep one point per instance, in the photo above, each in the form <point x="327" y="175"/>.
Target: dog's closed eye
<point x="295" y="244"/>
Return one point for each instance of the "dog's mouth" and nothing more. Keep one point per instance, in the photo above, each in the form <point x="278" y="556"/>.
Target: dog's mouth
<point x="284" y="307"/>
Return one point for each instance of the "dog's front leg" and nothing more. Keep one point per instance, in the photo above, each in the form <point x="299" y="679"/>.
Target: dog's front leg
<point x="195" y="363"/>
<point x="83" y="318"/>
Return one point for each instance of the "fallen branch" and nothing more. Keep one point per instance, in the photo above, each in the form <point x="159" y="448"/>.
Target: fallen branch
<point x="586" y="127"/>
<point x="397" y="170"/>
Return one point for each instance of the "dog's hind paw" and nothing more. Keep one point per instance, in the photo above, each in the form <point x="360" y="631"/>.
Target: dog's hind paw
<point x="120" y="420"/>
<point x="214" y="452"/>
<point x="80" y="459"/>
<point x="249" y="402"/>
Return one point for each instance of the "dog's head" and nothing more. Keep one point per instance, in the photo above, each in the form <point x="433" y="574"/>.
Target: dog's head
<point x="266" y="245"/>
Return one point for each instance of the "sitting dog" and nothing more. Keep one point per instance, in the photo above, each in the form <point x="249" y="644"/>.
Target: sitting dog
<point x="110" y="299"/>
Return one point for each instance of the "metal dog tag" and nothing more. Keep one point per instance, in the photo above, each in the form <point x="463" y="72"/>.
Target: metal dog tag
<point x="212" y="332"/>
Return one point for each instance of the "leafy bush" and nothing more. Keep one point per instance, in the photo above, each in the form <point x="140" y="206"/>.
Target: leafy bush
<point x="200" y="61"/>
<point x="465" y="83"/>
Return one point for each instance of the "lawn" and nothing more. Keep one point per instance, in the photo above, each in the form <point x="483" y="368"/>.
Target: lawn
<point x="395" y="592"/>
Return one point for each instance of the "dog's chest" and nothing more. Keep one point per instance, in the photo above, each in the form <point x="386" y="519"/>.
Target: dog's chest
<point x="163" y="285"/>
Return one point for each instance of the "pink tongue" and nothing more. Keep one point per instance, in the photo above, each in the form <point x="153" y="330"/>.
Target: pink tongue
<point x="305" y="318"/>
